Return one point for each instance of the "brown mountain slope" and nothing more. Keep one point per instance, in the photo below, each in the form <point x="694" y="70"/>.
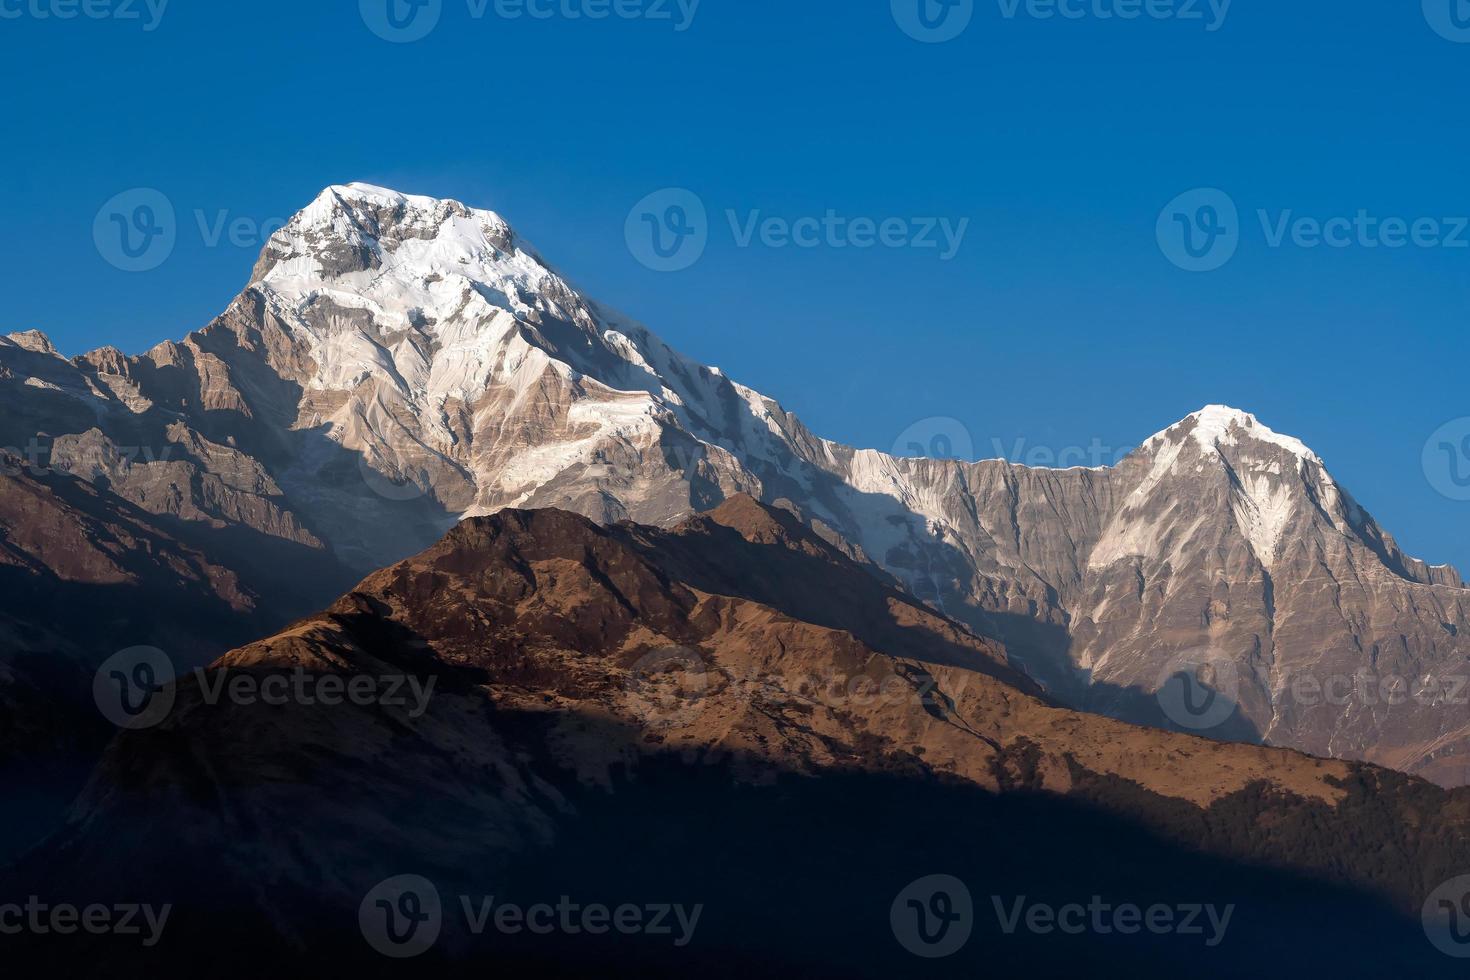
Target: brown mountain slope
<point x="83" y="575"/>
<point x="728" y="712"/>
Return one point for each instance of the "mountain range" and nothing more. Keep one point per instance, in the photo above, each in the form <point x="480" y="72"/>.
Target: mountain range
<point x="398" y="364"/>
<point x="566" y="612"/>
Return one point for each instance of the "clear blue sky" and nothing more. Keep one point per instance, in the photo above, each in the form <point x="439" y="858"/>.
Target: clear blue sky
<point x="1060" y="320"/>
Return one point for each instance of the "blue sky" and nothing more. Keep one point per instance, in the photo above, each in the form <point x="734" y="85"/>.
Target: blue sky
<point x="1061" y="320"/>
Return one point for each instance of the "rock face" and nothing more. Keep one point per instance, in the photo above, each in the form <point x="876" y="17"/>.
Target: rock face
<point x="399" y="363"/>
<point x="83" y="575"/>
<point x="1228" y="545"/>
<point x="606" y="710"/>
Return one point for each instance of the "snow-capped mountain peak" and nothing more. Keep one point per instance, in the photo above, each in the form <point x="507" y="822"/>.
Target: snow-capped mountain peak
<point x="1225" y="460"/>
<point x="358" y="210"/>
<point x="1219" y="429"/>
<point x="415" y="259"/>
<point x="433" y="296"/>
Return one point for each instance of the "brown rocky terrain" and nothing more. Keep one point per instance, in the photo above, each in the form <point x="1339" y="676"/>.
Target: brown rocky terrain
<point x="83" y="575"/>
<point x="727" y="711"/>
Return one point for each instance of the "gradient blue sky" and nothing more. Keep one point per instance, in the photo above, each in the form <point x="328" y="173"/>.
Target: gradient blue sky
<point x="1059" y="322"/>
